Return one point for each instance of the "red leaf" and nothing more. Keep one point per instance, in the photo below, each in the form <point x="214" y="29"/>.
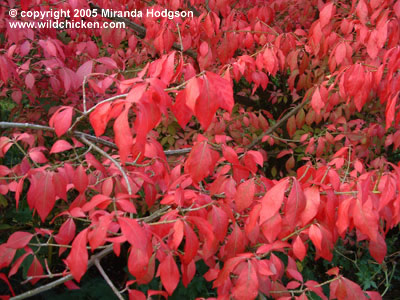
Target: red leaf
<point x="169" y="274"/>
<point x="222" y="90"/>
<point x="80" y="179"/>
<point x="378" y="249"/>
<point x="181" y="111"/>
<point x="109" y="62"/>
<point x="229" y="266"/>
<point x="71" y="285"/>
<point x="333" y="271"/>
<point x="123" y="135"/>
<point x="19" y="239"/>
<point x="136" y="295"/>
<point x="291" y="126"/>
<point x="272" y="227"/>
<point x="206" y="104"/>
<point x="60" y="146"/>
<point x="374" y="295"/>
<point x="340" y="53"/>
<point x="295" y="204"/>
<point x="126" y="206"/>
<point x="316" y="101"/>
<point x="78" y="257"/>
<point x="245" y="194"/>
<point x="201" y="152"/>
<point x="396" y="8"/>
<point x="96" y="201"/>
<point x="99" y="118"/>
<point x="37" y="155"/>
<point x="312" y="205"/>
<point x="390" y="110"/>
<point x="98" y="235"/>
<point x="191" y="245"/>
<point x="299" y="249"/>
<point x="18" y="263"/>
<point x="210" y="242"/>
<point x="147" y="117"/>
<point x="236" y="242"/>
<point x="292" y="271"/>
<point x="326" y="14"/>
<point x="35" y="269"/>
<point x="362" y="11"/>
<point x="84" y="70"/>
<point x="365" y="219"/>
<point x="315" y="235"/>
<point x="192" y="92"/>
<point x="30" y="80"/>
<point x="272" y="200"/>
<point x="66" y="232"/>
<point x="177" y="235"/>
<point x="5" y="279"/>
<point x="353" y="290"/>
<point x="230" y="154"/>
<point x="133" y="232"/>
<point x="6" y="255"/>
<point x="46" y="197"/>
<point x="219" y="221"/>
<point x="246" y="286"/>
<point x="316" y="288"/>
<point x="61" y="120"/>
<point x="188" y="271"/>
<point x="140" y="265"/>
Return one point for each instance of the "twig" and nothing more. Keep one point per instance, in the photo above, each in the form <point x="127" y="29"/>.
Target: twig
<point x="107" y="279"/>
<point x="348" y="167"/>
<point x="105" y="154"/>
<point x="57" y="282"/>
<point x="80" y="134"/>
<point x="87" y="112"/>
<point x="155" y="215"/>
<point x="277" y="125"/>
<point x="179" y="35"/>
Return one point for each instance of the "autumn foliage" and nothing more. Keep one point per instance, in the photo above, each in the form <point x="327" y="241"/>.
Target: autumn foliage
<point x="135" y="144"/>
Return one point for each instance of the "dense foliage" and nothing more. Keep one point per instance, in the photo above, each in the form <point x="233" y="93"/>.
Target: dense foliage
<point x="246" y="152"/>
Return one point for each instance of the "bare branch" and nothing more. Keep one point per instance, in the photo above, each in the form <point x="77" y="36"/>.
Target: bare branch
<point x="107" y="279"/>
<point x="105" y="154"/>
<point x="80" y="134"/>
<point x="277" y="125"/>
<point x="68" y="277"/>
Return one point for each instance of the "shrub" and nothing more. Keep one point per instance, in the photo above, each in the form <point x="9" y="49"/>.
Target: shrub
<point x="249" y="151"/>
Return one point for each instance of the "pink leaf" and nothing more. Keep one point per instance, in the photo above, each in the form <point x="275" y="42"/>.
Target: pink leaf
<point x="272" y="200"/>
<point x="19" y="239"/>
<point x="61" y="120"/>
<point x="60" y="146"/>
<point x="169" y="274"/>
<point x="78" y="257"/>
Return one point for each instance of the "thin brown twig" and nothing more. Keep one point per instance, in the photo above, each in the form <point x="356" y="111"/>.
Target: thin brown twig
<point x="79" y="134"/>
<point x="277" y="124"/>
<point x="66" y="278"/>
<point x="117" y="164"/>
<point x="107" y="279"/>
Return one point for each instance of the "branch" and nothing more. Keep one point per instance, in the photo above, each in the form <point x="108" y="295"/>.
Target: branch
<point x="141" y="31"/>
<point x="57" y="282"/>
<point x="107" y="279"/>
<point x="80" y="134"/>
<point x="277" y="125"/>
<point x="47" y="128"/>
<point x="105" y="154"/>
